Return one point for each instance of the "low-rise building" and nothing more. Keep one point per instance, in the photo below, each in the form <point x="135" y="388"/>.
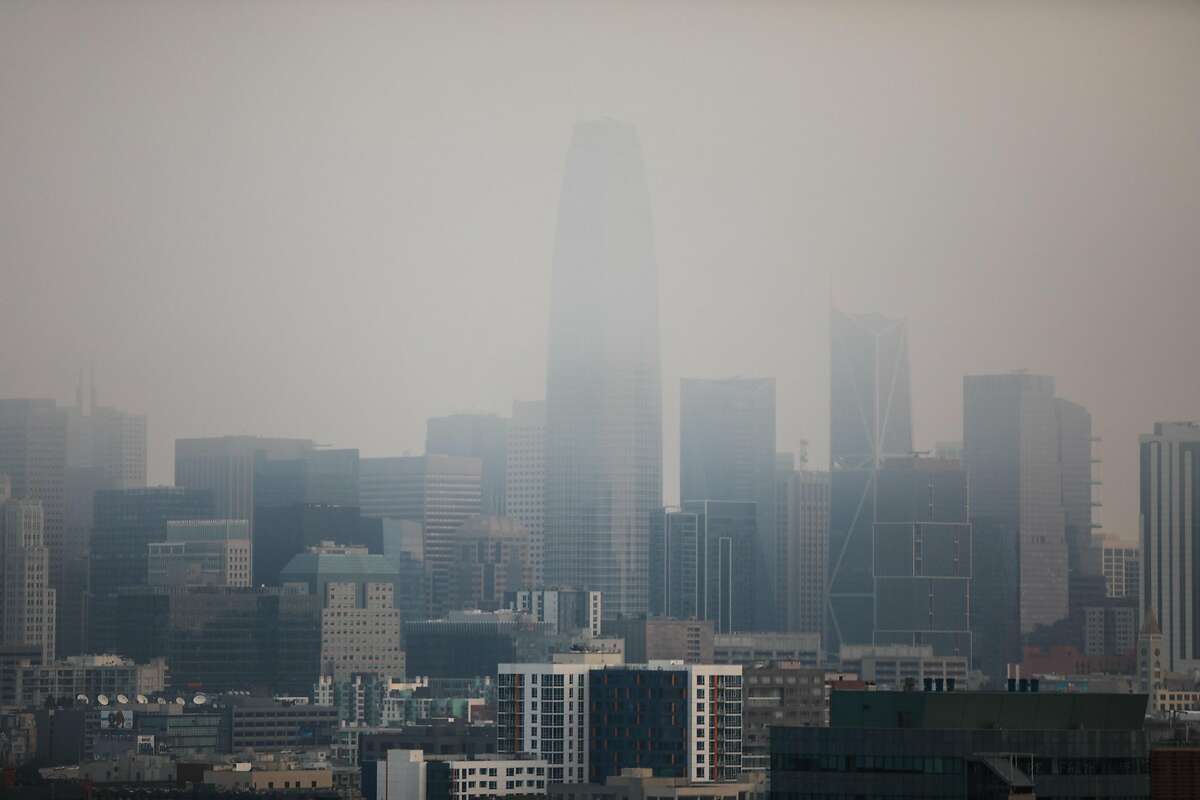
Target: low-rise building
<point x="641" y="784"/>
<point x="902" y="666"/>
<point x="777" y="693"/>
<point x="264" y="723"/>
<point x="664" y="639"/>
<point x="412" y="774"/>
<point x="750" y="648"/>
<point x="84" y="675"/>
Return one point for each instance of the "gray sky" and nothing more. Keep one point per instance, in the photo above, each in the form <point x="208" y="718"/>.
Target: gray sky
<point x="336" y="219"/>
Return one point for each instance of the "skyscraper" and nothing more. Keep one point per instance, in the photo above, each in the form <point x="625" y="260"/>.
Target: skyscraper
<point x="439" y="493"/>
<point x="1170" y="489"/>
<point x="482" y="436"/>
<point x="33" y="453"/>
<point x="603" y="388"/>
<point x="870" y="420"/>
<point x="525" y="481"/>
<point x="802" y="519"/>
<point x="727" y="452"/>
<point x="27" y="603"/>
<point x="1010" y="446"/>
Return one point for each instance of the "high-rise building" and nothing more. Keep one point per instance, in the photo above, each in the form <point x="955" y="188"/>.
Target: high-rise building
<point x="1170" y="490"/>
<point x="923" y="556"/>
<point x="603" y="387"/>
<point x="870" y="420"/>
<point x="727" y="452"/>
<point x="558" y="732"/>
<point x="315" y="477"/>
<point x="1122" y="568"/>
<point x="439" y="493"/>
<point x="227" y="465"/>
<point x="1010" y="449"/>
<point x="27" y="602"/>
<point x="490" y="558"/>
<point x="482" y="436"/>
<point x="564" y="610"/>
<point x="33" y="453"/>
<point x="108" y="439"/>
<point x="802" y="518"/>
<point x="702" y="563"/>
<point x="1074" y="424"/>
<point x="202" y="552"/>
<point x="128" y="520"/>
<point x="282" y="532"/>
<point x="525" y="483"/>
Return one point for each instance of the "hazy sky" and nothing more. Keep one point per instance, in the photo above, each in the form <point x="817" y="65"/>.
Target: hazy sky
<point x="336" y="219"/>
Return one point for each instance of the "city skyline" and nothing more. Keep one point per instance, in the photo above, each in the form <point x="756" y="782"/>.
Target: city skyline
<point x="912" y="214"/>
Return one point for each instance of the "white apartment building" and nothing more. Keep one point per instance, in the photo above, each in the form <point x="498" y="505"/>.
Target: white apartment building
<point x="405" y="774"/>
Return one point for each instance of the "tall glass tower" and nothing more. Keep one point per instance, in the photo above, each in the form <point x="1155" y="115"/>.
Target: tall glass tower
<point x="603" y="388"/>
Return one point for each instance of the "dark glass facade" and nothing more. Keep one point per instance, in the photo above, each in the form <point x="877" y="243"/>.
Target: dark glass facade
<point x="639" y="718"/>
<point x="284" y="532"/>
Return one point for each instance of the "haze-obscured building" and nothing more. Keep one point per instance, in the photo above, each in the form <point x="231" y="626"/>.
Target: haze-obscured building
<point x="482" y="436"/>
<point x="802" y="518"/>
<point x="27" y="602"/>
<point x="525" y="482"/>
<point x="208" y="552"/>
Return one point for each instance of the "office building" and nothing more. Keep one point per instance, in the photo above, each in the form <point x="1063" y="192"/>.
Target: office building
<point x="1010" y="447"/>
<point x="127" y="521"/>
<point x="1074" y="426"/>
<point x="922" y="555"/>
<point x="360" y="625"/>
<point x="802" y="518"/>
<point x="283" y="532"/>
<point x="437" y="492"/>
<point x="777" y="693"/>
<point x="967" y="744"/>
<point x="803" y="649"/>
<point x="33" y="453"/>
<point x="413" y="774"/>
<point x="902" y="666"/>
<point x="227" y="466"/>
<point x="490" y="558"/>
<point x="525" y="482"/>
<point x="27" y="602"/>
<point x="870" y="420"/>
<point x="680" y="721"/>
<point x="702" y="563"/>
<point x="482" y="436"/>
<point x="202" y="552"/>
<point x="1170" y="488"/>
<point x="564" y="610"/>
<point x="311" y="477"/>
<point x="727" y="453"/>
<point x="263" y="723"/>
<point x="1122" y="562"/>
<point x="603" y="386"/>
<point x="472" y="645"/>
<point x="663" y="639"/>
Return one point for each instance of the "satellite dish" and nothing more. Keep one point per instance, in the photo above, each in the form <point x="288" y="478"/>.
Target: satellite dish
<point x="179" y="701"/>
<point x="122" y="699"/>
<point x="141" y="698"/>
<point x="199" y="699"/>
<point x="160" y="699"/>
<point x="81" y="698"/>
<point x="102" y="699"/>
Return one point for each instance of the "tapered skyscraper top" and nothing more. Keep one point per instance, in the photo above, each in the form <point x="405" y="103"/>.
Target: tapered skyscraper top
<point x="603" y="389"/>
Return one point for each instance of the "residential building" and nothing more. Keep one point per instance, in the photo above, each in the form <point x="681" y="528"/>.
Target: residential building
<point x="525" y="480"/>
<point x="967" y="744"/>
<point x="437" y="492"/>
<point x="416" y="775"/>
<point x="33" y="453"/>
<point x="1170" y="489"/>
<point x="27" y="601"/>
<point x="664" y="639"/>
<point x="802" y="518"/>
<point x="1011" y="453"/>
<point x="482" y="436"/>
<point x="206" y="552"/>
<point x="727" y="453"/>
<point x="603" y="383"/>
<point x="777" y="693"/>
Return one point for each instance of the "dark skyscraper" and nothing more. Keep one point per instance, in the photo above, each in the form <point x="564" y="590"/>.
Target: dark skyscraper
<point x="870" y="420"/>
<point x="1010" y="450"/>
<point x="482" y="436"/>
<point x="727" y="452"/>
<point x="603" y="389"/>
